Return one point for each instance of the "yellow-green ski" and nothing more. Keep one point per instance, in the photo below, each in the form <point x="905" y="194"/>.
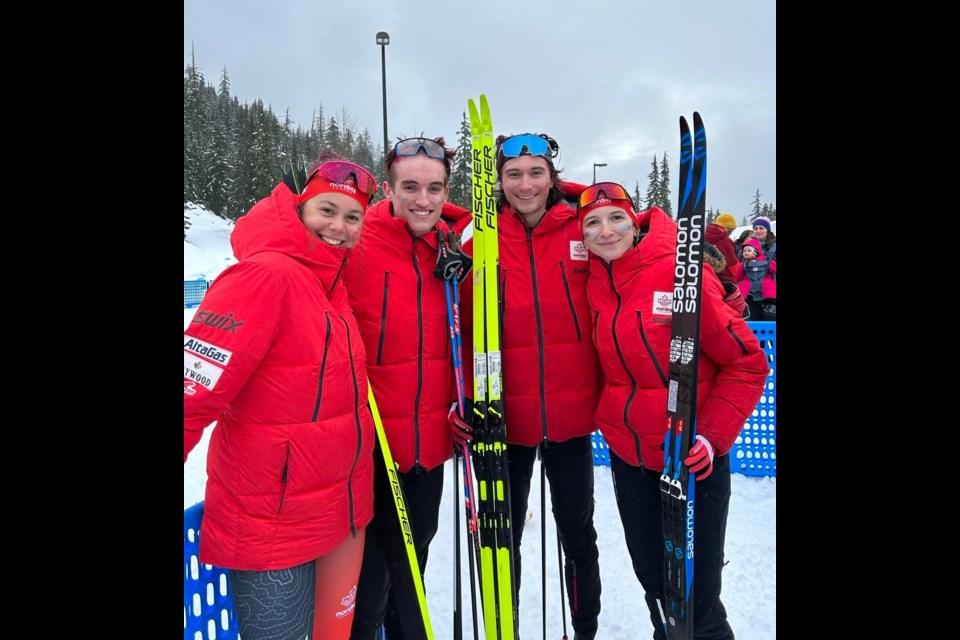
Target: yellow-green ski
<point x="490" y="438"/>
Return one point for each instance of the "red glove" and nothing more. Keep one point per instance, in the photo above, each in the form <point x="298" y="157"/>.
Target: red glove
<point x="700" y="458"/>
<point x="462" y="432"/>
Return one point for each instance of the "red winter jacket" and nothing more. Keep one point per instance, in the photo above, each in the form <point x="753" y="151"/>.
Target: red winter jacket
<point x="274" y="355"/>
<point x="551" y="375"/>
<point x="631" y="301"/>
<point x="717" y="236"/>
<point x="402" y="313"/>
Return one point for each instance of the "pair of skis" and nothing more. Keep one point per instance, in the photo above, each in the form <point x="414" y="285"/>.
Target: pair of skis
<point x="489" y="447"/>
<point x="677" y="484"/>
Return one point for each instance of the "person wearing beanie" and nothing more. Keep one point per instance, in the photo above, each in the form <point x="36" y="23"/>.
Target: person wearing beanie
<point x="755" y="279"/>
<point x="630" y="291"/>
<point x="718" y="234"/>
<point x="289" y="492"/>
<point x="738" y="245"/>
<point x="726" y="221"/>
<point x="763" y="231"/>
<point x="401" y="308"/>
<point x="551" y="375"/>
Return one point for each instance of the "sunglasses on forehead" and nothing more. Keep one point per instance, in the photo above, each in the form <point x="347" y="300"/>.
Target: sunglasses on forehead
<point x="342" y="171"/>
<point x="514" y="146"/>
<point x="412" y="146"/>
<point x="596" y="192"/>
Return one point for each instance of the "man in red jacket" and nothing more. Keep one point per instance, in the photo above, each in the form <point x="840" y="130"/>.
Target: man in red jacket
<point x="551" y="374"/>
<point x="401" y="309"/>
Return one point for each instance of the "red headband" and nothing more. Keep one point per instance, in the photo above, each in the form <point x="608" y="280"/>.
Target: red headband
<point x="320" y="185"/>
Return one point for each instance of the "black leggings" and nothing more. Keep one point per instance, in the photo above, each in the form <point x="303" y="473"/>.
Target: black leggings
<point x="638" y="500"/>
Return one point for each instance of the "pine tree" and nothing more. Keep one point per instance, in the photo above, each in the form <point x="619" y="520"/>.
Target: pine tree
<point x="664" y="186"/>
<point x="637" y="200"/>
<point x="333" y="140"/>
<point x="745" y="221"/>
<point x="653" y="185"/>
<point x="460" y="174"/>
<point x="755" y="205"/>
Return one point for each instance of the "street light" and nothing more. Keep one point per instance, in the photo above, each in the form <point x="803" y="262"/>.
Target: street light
<point x="595" y="165"/>
<point x="383" y="39"/>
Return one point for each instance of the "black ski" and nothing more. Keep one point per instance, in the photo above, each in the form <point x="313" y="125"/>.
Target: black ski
<point x="676" y="483"/>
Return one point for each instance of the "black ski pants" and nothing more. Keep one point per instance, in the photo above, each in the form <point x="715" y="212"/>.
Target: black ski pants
<point x="638" y="498"/>
<point x="423" y="491"/>
<point x="569" y="469"/>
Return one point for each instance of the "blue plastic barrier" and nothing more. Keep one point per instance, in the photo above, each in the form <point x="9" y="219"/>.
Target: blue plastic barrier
<point x="207" y="602"/>
<point x="193" y="291"/>
<point x="755" y="451"/>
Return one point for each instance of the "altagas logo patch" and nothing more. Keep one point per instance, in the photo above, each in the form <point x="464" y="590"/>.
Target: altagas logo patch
<point x="207" y="350"/>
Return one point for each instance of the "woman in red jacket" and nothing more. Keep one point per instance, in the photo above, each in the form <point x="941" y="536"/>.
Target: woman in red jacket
<point x="551" y="375"/>
<point x="630" y="292"/>
<point x="274" y="355"/>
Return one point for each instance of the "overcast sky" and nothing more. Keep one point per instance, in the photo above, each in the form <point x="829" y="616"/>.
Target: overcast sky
<point x="607" y="78"/>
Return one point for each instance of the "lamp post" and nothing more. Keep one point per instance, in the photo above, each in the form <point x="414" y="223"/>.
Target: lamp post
<point x="595" y="164"/>
<point x="383" y="39"/>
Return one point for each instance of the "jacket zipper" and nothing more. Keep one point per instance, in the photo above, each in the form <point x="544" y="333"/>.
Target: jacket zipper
<point x="323" y="369"/>
<point x="356" y="418"/>
<point x="646" y="343"/>
<point x="283" y="479"/>
<point x="573" y="309"/>
<point x="623" y="361"/>
<point x="536" y="311"/>
<point x="383" y="315"/>
<point x="416" y="406"/>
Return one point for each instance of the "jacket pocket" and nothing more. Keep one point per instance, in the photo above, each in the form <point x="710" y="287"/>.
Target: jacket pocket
<point x="573" y="309"/>
<point x="383" y="316"/>
<point x="283" y="479"/>
<point x="650" y="353"/>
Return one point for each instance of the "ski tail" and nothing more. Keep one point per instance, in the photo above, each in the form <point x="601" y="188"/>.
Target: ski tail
<point x="677" y="485"/>
<point x="397" y="537"/>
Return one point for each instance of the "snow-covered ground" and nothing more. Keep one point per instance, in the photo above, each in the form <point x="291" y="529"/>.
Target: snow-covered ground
<point x="749" y="579"/>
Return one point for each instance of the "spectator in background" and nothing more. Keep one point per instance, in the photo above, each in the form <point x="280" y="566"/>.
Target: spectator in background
<point x="718" y="234"/>
<point x="732" y="296"/>
<point x="738" y="245"/>
<point x="755" y="278"/>
<point x="763" y="232"/>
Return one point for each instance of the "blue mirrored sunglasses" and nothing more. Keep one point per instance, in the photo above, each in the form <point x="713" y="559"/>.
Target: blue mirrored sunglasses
<point x="513" y="146"/>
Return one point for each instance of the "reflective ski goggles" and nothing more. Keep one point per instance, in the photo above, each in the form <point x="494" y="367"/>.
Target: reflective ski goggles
<point x="338" y="172"/>
<point x="412" y="146"/>
<point x="605" y="194"/>
<point x="596" y="192"/>
<point x="341" y="176"/>
<point x="513" y="146"/>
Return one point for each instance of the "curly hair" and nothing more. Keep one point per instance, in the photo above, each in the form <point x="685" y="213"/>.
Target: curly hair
<point x="555" y="194"/>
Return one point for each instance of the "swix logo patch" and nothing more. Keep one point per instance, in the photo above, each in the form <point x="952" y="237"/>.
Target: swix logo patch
<point x="207" y="350"/>
<point x="662" y="303"/>
<point x="200" y="371"/>
<point x="578" y="251"/>
<point x="217" y="320"/>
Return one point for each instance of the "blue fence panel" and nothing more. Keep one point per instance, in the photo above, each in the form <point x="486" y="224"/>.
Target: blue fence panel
<point x="193" y="291"/>
<point x="755" y="451"/>
<point x="207" y="602"/>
